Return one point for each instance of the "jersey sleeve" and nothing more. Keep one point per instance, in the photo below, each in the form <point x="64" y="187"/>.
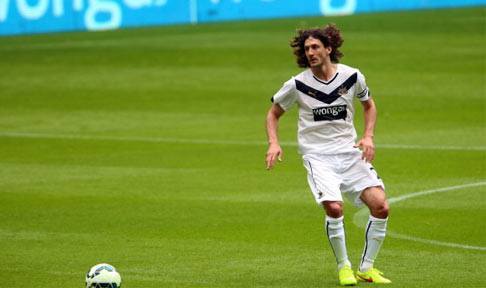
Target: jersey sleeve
<point x="287" y="95"/>
<point x="362" y="90"/>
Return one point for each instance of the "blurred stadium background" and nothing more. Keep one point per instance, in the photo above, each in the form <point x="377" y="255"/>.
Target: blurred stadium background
<point x="24" y="16"/>
<point x="144" y="147"/>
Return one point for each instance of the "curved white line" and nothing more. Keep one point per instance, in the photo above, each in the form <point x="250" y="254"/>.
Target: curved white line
<point x="434" y="242"/>
<point x="361" y="216"/>
<point x="432" y="191"/>
<point x="432" y="147"/>
<point x="213" y="141"/>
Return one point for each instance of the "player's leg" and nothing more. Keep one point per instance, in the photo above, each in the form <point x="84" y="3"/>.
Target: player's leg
<point x="375" y="199"/>
<point x="334" y="225"/>
<point x="363" y="185"/>
<point x="324" y="184"/>
<point x="335" y="233"/>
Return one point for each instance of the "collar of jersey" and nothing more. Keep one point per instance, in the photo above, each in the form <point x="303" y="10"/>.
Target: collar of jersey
<point x="324" y="82"/>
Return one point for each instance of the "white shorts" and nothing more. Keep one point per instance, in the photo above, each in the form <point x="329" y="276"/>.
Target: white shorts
<point x="347" y="173"/>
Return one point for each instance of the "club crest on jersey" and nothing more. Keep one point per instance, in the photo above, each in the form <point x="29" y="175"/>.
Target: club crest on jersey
<point x="342" y="91"/>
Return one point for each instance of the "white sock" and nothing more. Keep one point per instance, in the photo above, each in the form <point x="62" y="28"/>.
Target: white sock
<point x="335" y="234"/>
<point x="374" y="236"/>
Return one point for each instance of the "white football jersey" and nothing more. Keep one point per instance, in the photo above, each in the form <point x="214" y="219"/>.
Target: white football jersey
<point x="325" y="109"/>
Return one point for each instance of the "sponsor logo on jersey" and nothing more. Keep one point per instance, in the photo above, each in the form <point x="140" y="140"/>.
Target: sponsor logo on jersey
<point x="330" y="113"/>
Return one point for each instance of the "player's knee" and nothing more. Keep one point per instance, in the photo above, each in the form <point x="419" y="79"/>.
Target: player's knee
<point x="333" y="209"/>
<point x="381" y="211"/>
<point x="385" y="210"/>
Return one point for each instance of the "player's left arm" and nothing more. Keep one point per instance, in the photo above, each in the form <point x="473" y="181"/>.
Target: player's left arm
<point x="366" y="142"/>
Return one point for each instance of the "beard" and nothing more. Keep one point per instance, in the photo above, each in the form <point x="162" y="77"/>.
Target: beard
<point x="315" y="63"/>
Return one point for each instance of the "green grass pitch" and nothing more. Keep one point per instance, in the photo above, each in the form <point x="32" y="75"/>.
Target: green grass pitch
<point x="144" y="148"/>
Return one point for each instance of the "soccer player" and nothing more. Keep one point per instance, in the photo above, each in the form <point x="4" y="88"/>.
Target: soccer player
<point x="336" y="163"/>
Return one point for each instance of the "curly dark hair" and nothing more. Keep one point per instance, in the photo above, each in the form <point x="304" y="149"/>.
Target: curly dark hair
<point x="329" y="35"/>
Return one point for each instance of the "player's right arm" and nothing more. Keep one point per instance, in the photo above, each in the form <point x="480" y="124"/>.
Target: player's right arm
<point x="274" y="151"/>
<point x="282" y="101"/>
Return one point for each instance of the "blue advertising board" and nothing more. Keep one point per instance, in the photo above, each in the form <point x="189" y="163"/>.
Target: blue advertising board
<point x="41" y="16"/>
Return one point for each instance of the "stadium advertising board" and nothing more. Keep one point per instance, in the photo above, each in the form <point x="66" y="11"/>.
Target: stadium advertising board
<point x="40" y="16"/>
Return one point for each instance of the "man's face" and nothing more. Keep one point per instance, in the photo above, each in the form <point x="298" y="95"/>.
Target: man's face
<point x="315" y="52"/>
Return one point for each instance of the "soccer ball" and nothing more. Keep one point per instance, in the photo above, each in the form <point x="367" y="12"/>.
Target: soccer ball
<point x="103" y="276"/>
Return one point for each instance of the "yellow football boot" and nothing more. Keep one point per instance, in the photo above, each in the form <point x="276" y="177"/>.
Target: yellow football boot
<point x="373" y="275"/>
<point x="346" y="276"/>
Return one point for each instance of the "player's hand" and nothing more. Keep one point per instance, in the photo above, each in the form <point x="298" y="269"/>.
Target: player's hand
<point x="274" y="153"/>
<point x="367" y="148"/>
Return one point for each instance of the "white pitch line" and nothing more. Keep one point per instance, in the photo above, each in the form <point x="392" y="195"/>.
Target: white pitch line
<point x="432" y="191"/>
<point x="432" y="147"/>
<point x="434" y="242"/>
<point x="361" y="215"/>
<point x="127" y="139"/>
<point x="215" y="141"/>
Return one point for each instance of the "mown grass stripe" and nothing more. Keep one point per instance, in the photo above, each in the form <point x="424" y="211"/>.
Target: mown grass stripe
<point x="215" y="141"/>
